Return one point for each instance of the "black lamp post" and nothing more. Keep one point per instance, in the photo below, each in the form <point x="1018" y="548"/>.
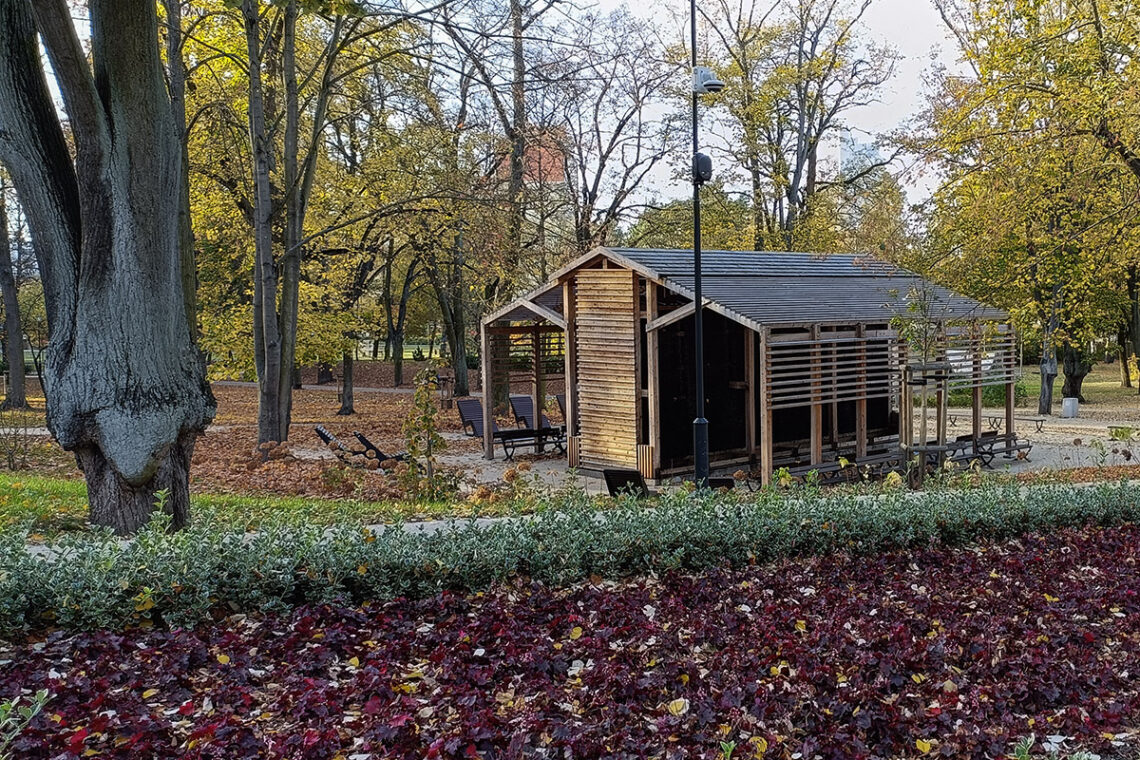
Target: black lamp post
<point x="703" y="82"/>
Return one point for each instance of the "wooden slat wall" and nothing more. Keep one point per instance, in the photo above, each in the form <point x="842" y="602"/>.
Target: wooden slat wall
<point x="605" y="326"/>
<point x="980" y="355"/>
<point x="830" y="370"/>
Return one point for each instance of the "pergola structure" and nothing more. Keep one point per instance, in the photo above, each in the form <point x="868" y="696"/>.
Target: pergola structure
<point x="807" y="359"/>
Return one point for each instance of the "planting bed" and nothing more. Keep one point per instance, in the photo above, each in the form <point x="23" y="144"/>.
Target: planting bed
<point x="939" y="652"/>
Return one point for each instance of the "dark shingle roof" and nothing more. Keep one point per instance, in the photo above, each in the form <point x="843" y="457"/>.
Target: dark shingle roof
<point x="771" y="288"/>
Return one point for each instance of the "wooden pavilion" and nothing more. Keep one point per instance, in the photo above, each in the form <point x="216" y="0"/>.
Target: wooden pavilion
<point x="808" y="359"/>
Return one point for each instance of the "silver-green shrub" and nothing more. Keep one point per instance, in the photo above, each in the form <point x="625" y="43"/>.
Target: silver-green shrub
<point x="95" y="580"/>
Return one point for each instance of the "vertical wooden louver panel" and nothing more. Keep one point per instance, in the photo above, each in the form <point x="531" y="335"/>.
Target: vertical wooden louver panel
<point x="605" y="335"/>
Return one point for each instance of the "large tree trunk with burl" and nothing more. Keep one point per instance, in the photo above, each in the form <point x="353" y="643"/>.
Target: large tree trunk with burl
<point x="124" y="380"/>
<point x="1077" y="367"/>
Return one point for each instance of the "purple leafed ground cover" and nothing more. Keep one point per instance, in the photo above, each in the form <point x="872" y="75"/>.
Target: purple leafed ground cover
<point x="951" y="652"/>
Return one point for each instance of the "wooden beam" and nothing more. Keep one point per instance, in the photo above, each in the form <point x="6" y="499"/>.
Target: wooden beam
<point x="569" y="308"/>
<point x="941" y="397"/>
<point x="638" y="380"/>
<point x="549" y="315"/>
<point x="976" y="400"/>
<point x="832" y="359"/>
<point x="765" y="412"/>
<point x="1010" y="387"/>
<point x="674" y="316"/>
<point x="538" y="387"/>
<point x="750" y="390"/>
<point x="488" y="393"/>
<point x="906" y="425"/>
<point x="816" y="408"/>
<point x="654" y="379"/>
<point x="861" y="402"/>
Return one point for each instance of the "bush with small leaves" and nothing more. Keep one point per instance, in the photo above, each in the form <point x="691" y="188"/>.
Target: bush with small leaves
<point x="95" y="580"/>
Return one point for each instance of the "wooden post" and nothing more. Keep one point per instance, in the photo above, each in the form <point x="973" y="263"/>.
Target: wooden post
<point x="834" y="389"/>
<point x="941" y="396"/>
<point x="906" y="425"/>
<point x="976" y="371"/>
<point x="538" y="387"/>
<point x="570" y="357"/>
<point x="1011" y="383"/>
<point x="816" y="404"/>
<point x="638" y="337"/>
<point x="765" y="401"/>
<point x="861" y="400"/>
<point x="654" y="382"/>
<point x="750" y="391"/>
<point x="488" y="392"/>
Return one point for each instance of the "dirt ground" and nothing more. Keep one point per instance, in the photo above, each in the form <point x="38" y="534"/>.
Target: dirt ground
<point x="226" y="459"/>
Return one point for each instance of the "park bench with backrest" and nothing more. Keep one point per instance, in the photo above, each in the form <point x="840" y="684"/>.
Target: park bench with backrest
<point x="471" y="415"/>
<point x="523" y="409"/>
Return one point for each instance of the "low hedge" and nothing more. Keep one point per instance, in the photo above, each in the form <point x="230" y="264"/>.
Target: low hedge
<point x="93" y="580"/>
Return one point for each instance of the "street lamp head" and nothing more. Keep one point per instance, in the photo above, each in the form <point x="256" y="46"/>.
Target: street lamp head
<point x="705" y="82"/>
<point x="702" y="168"/>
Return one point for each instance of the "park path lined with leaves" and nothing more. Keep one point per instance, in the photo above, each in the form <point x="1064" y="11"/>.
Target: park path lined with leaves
<point x="944" y="652"/>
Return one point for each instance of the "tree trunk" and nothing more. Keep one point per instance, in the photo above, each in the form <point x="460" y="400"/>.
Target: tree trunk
<point x="176" y="76"/>
<point x="518" y="131"/>
<point x="16" y="397"/>
<point x="397" y="328"/>
<point x="124" y="382"/>
<point x="1124" y="344"/>
<point x="1134" y="310"/>
<point x="397" y="339"/>
<point x="266" y="331"/>
<point x="346" y="401"/>
<point x="123" y="507"/>
<point x="448" y="287"/>
<point x="1048" y="376"/>
<point x="294" y="220"/>
<point x="1077" y="367"/>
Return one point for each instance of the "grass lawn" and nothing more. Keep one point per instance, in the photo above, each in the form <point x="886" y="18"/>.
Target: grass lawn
<point x="1102" y="386"/>
<point x="54" y="505"/>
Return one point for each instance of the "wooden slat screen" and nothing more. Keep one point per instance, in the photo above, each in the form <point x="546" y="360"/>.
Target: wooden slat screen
<point x="605" y="328"/>
<point x="980" y="355"/>
<point x="513" y="351"/>
<point x="803" y="372"/>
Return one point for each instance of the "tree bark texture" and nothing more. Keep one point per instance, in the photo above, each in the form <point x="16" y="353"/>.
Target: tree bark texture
<point x="1077" y="367"/>
<point x="277" y="279"/>
<point x="266" y="333"/>
<point x="125" y="385"/>
<point x="346" y="400"/>
<point x="176" y="76"/>
<point x="16" y="397"/>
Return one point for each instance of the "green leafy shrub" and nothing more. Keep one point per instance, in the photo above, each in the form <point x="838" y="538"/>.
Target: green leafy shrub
<point x="15" y="715"/>
<point x="992" y="395"/>
<point x="95" y="580"/>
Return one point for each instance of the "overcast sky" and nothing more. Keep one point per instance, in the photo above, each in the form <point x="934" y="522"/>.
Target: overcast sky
<point x="912" y="27"/>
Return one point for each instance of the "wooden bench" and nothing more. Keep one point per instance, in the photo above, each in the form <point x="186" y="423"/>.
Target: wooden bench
<point x="511" y="439"/>
<point x="1038" y="422"/>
